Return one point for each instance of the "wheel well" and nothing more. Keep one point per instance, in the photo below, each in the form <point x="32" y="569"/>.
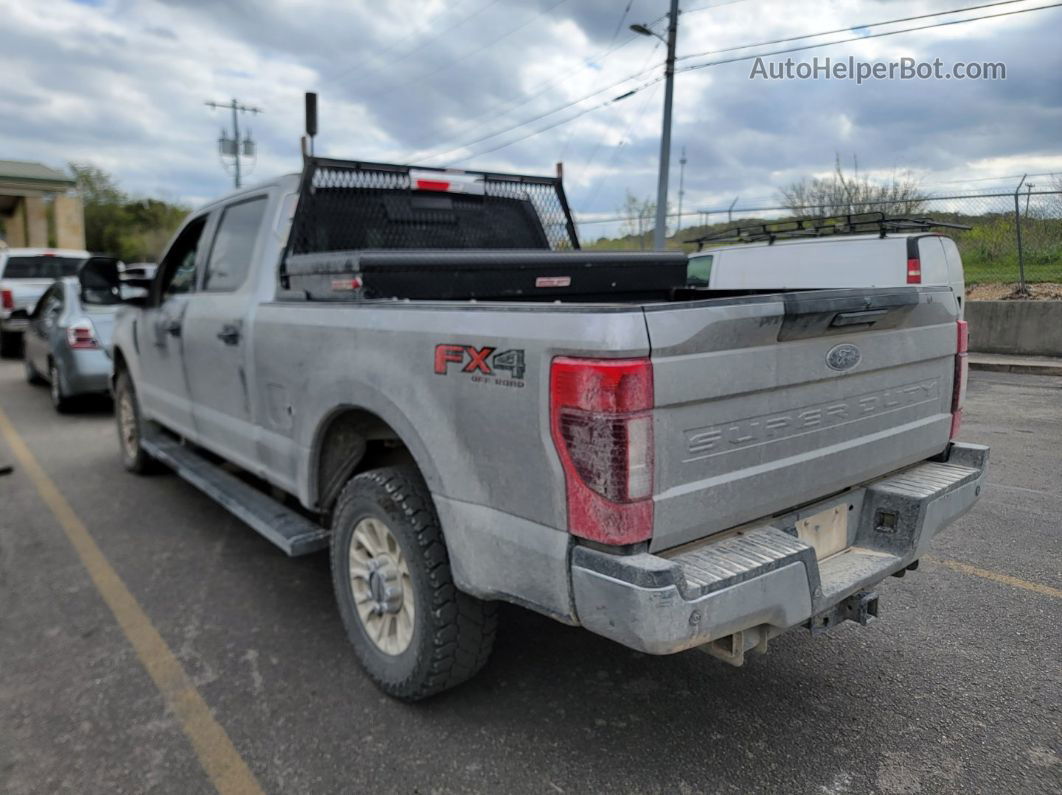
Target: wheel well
<point x="353" y="441"/>
<point x="119" y="363"/>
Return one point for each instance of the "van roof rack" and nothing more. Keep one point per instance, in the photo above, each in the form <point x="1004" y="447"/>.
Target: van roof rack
<point x="825" y="226"/>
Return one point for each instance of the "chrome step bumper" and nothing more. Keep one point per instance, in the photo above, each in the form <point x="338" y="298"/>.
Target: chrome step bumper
<point x="766" y="578"/>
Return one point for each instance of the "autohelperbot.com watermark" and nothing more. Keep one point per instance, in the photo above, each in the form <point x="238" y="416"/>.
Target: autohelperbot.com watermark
<point x="851" y="68"/>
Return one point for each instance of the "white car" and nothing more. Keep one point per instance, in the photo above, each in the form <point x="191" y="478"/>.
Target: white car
<point x="789" y="260"/>
<point x="25" y="273"/>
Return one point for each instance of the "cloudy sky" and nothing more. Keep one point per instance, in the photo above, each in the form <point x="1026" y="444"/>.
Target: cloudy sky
<point x="122" y="84"/>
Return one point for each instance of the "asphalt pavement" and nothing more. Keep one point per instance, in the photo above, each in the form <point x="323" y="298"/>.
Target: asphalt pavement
<point x="958" y="688"/>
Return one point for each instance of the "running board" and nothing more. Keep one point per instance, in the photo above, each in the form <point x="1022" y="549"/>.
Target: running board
<point x="292" y="532"/>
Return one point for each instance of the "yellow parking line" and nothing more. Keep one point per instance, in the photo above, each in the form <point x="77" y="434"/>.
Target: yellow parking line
<point x="995" y="576"/>
<point x="218" y="756"/>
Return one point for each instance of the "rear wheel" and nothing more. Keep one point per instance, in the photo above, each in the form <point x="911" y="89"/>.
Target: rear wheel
<point x="60" y="400"/>
<point x="10" y="344"/>
<point x="127" y="415"/>
<point x="414" y="633"/>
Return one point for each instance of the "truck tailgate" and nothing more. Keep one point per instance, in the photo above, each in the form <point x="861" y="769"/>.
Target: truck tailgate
<point x="769" y="402"/>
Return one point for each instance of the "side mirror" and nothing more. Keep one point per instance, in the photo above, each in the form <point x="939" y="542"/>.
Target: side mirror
<point x="98" y="278"/>
<point x="103" y="283"/>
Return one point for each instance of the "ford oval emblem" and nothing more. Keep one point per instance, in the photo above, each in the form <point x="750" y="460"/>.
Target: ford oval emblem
<point x="843" y="357"/>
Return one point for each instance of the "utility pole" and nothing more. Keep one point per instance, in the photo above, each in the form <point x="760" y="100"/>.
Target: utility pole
<point x="234" y="147"/>
<point x="682" y="191"/>
<point x="660" y="233"/>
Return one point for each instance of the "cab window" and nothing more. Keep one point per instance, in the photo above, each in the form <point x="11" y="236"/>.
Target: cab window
<point x="178" y="268"/>
<point x="230" y="256"/>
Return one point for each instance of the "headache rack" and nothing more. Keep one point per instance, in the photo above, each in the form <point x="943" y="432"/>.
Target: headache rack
<point x="375" y="231"/>
<point x="348" y="205"/>
<point x="825" y="226"/>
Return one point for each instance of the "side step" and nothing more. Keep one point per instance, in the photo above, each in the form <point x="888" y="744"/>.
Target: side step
<point x="292" y="532"/>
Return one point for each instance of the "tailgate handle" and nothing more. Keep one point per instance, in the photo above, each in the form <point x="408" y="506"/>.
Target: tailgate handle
<point x="866" y="318"/>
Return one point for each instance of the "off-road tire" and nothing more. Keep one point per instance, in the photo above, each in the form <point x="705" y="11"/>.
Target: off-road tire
<point x="134" y="457"/>
<point x="10" y="344"/>
<point x="453" y="633"/>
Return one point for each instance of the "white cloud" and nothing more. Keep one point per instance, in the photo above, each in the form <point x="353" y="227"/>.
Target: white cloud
<point x="121" y="83"/>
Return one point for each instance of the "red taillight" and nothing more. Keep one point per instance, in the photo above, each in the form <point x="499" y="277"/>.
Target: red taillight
<point x="81" y="336"/>
<point x="601" y="420"/>
<point x="962" y="372"/>
<point x="7" y="299"/>
<point x="914" y="271"/>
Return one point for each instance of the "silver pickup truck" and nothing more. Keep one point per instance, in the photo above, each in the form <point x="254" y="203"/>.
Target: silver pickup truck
<point x="357" y="358"/>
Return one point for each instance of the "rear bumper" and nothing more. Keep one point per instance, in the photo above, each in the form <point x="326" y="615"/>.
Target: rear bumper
<point x="86" y="371"/>
<point x="765" y="580"/>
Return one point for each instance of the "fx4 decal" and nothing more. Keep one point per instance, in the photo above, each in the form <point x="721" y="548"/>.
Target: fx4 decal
<point x="484" y="364"/>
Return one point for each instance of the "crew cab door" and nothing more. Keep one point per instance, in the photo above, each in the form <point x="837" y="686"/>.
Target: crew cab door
<point x="162" y="387"/>
<point x="217" y="334"/>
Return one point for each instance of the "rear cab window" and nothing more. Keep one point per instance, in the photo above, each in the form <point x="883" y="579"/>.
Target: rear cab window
<point x="234" y="242"/>
<point x="40" y="267"/>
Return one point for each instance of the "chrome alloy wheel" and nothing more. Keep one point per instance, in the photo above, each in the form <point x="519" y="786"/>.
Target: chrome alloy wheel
<point x="381" y="585"/>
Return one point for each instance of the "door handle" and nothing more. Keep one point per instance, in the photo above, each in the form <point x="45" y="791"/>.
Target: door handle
<point x="173" y="328"/>
<point x="229" y="334"/>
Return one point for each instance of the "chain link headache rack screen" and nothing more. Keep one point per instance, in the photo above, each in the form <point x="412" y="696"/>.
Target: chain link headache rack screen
<point x="349" y="206"/>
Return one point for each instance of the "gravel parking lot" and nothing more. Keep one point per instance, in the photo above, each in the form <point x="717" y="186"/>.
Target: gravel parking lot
<point x="958" y="688"/>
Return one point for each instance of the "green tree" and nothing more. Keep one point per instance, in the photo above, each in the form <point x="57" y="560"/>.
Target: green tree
<point x="133" y="229"/>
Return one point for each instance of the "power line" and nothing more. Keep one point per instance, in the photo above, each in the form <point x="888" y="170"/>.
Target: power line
<point x="507" y="105"/>
<point x="615" y="33"/>
<point x="646" y="102"/>
<point x="558" y="109"/>
<point x="844" y="30"/>
<point x="868" y="36"/>
<point x="464" y="56"/>
<point x="622" y="19"/>
<point x="420" y="45"/>
<point x="416" y="156"/>
<point x="581" y="113"/>
<point x="711" y="6"/>
<point x="601" y="140"/>
<point x="693" y="67"/>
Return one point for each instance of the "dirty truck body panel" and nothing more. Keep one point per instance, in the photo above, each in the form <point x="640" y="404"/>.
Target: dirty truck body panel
<point x="769" y="412"/>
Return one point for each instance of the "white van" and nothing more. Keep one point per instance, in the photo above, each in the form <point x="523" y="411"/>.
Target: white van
<point x="869" y="260"/>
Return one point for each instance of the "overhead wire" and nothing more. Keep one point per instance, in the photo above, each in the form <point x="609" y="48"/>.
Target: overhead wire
<point x="420" y="44"/>
<point x="464" y="56"/>
<point x="694" y="67"/>
<point x="558" y="109"/>
<point x="846" y="29"/>
<point x="601" y="140"/>
<point x="615" y="33"/>
<point x="737" y="59"/>
<point x="504" y="107"/>
<point x="639" y="115"/>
